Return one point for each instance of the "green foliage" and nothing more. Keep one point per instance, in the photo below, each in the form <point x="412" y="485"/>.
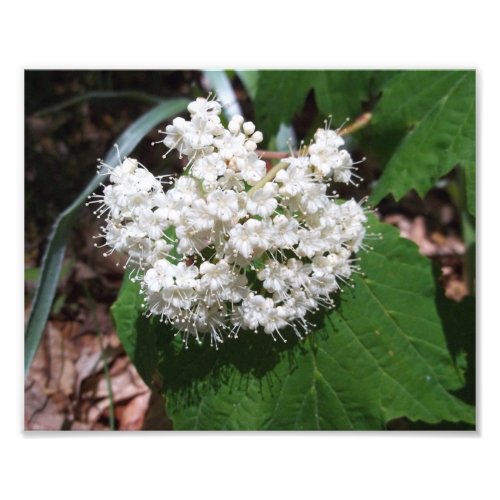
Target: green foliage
<point x="381" y="354"/>
<point x="281" y="94"/>
<point x="432" y="114"/>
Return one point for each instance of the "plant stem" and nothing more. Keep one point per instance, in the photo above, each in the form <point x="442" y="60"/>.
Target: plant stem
<point x="271" y="155"/>
<point x="268" y="177"/>
<point x="361" y="122"/>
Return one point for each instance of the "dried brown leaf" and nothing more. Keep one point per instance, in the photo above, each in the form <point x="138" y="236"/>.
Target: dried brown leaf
<point x="134" y="412"/>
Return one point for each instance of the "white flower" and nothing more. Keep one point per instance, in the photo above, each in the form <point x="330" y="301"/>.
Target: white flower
<point x="158" y="251"/>
<point x="201" y="135"/>
<point x="204" y="108"/>
<point x="145" y="180"/>
<point x="313" y="198"/>
<point x="301" y="162"/>
<point x="325" y="146"/>
<point x="310" y="243"/>
<point x="274" y="277"/>
<point x="340" y="265"/>
<point x="275" y="320"/>
<point x="195" y="137"/>
<point x="299" y="304"/>
<point x="328" y="159"/>
<point x="175" y="134"/>
<point x="216" y="277"/>
<point x="123" y="170"/>
<point x="223" y="205"/>
<point x="237" y="290"/>
<point x="298" y="274"/>
<point x="153" y="223"/>
<point x="116" y="237"/>
<point x="208" y="168"/>
<point x="199" y="217"/>
<point x="327" y="138"/>
<point x="160" y="276"/>
<point x="185" y="275"/>
<point x="252" y="169"/>
<point x="235" y="143"/>
<point x="231" y="180"/>
<point x="215" y="257"/>
<point x="191" y="241"/>
<point x="321" y="265"/>
<point x="230" y="144"/>
<point x="294" y="180"/>
<point x="285" y="232"/>
<point x="342" y="171"/>
<point x="250" y="239"/>
<point x="210" y="319"/>
<point x="186" y="190"/>
<point x="263" y="201"/>
<point x="255" y="311"/>
<point x="322" y="286"/>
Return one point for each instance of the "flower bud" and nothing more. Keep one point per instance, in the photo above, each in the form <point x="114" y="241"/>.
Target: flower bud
<point x="248" y="128"/>
<point x="257" y="137"/>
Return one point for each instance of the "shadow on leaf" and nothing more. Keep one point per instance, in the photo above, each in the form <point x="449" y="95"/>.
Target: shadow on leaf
<point x="187" y="374"/>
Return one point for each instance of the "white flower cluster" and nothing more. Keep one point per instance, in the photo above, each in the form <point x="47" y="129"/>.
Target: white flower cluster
<point x="231" y="247"/>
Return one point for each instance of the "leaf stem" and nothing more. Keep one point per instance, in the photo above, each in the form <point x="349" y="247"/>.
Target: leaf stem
<point x="361" y="122"/>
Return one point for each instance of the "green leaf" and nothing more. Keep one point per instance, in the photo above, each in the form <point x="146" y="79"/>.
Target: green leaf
<point x="380" y="355"/>
<point x="434" y="113"/>
<point x="56" y="246"/>
<point x="282" y="94"/>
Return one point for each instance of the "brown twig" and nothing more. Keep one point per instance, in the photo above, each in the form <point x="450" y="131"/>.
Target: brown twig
<point x="271" y="155"/>
<point x="360" y="122"/>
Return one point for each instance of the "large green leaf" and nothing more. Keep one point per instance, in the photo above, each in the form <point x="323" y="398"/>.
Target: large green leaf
<point x="434" y="111"/>
<point x="56" y="245"/>
<point x="382" y="354"/>
<point x="281" y="94"/>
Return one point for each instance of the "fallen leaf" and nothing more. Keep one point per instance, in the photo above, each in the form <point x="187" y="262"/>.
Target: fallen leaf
<point x="133" y="415"/>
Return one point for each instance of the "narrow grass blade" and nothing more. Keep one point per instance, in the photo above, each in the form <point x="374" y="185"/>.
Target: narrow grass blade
<point x="103" y="94"/>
